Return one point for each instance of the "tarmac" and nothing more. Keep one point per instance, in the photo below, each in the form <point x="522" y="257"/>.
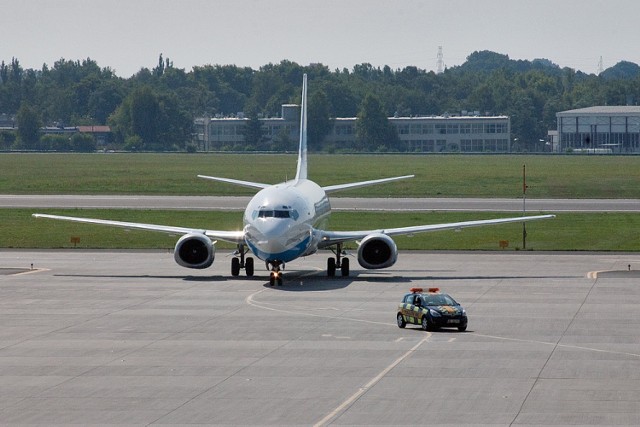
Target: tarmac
<point x="396" y="204"/>
<point x="130" y="338"/>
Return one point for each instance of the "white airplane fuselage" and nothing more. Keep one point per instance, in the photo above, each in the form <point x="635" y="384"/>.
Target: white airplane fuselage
<point x="279" y="221"/>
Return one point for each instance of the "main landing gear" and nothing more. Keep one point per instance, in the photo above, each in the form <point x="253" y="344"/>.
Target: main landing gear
<point x="338" y="262"/>
<point x="239" y="261"/>
<point x="276" y="274"/>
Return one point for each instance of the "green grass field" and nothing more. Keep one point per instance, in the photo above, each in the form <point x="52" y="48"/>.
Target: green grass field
<point x="570" y="232"/>
<point x="562" y="176"/>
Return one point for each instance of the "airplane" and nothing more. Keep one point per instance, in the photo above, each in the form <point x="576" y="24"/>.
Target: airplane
<point x="286" y="221"/>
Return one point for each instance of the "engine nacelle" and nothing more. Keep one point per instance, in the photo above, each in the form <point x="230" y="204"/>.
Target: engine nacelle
<point x="377" y="251"/>
<point x="194" y="251"/>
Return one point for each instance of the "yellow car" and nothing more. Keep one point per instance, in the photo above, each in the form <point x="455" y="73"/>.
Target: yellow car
<point x="431" y="310"/>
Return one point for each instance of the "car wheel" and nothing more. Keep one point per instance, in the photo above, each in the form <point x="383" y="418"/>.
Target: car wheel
<point x="425" y="323"/>
<point x="462" y="328"/>
<point x="401" y="322"/>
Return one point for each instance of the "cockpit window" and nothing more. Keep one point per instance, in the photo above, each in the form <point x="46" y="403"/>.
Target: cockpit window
<point x="267" y="213"/>
<point x="276" y="213"/>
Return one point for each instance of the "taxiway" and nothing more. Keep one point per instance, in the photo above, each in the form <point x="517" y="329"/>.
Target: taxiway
<point x="130" y="338"/>
<point x="407" y="204"/>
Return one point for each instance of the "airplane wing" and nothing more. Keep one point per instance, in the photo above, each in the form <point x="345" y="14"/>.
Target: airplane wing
<point x="227" y="236"/>
<point x="236" y="181"/>
<point x="329" y="238"/>
<point x="339" y="187"/>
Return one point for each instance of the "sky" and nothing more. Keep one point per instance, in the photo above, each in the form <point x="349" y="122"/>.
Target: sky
<point x="127" y="35"/>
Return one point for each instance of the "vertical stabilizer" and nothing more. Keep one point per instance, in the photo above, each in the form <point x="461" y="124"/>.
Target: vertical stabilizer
<point x="301" y="172"/>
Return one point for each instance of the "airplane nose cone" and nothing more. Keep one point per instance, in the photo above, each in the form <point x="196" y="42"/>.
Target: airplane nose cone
<point x="268" y="236"/>
<point x="275" y="239"/>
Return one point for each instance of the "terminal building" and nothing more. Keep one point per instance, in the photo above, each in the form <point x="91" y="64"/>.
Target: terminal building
<point x="600" y="129"/>
<point x="466" y="133"/>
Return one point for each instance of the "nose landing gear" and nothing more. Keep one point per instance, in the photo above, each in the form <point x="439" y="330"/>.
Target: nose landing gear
<point x="276" y="274"/>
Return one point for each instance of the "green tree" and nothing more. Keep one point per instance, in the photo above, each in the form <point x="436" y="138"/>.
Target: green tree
<point x="319" y="123"/>
<point x="60" y="143"/>
<point x="253" y="132"/>
<point x="7" y="139"/>
<point x="83" y="143"/>
<point x="373" y="129"/>
<point x="145" y="116"/>
<point x="28" y="122"/>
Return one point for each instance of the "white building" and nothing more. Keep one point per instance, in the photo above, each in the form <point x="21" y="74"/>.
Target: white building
<point x="600" y="129"/>
<point x="419" y="134"/>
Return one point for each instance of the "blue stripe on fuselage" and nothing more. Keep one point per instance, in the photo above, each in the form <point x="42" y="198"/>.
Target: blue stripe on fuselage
<point x="285" y="256"/>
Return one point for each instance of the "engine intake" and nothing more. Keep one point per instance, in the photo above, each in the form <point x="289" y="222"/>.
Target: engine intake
<point x="377" y="251"/>
<point x="194" y="251"/>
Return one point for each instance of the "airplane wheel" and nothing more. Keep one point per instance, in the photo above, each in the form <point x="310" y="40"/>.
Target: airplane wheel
<point x="331" y="267"/>
<point x="344" y="268"/>
<point x="235" y="266"/>
<point x="279" y="280"/>
<point x="248" y="266"/>
<point x="272" y="279"/>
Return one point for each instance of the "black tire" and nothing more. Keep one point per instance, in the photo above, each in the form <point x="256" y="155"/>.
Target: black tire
<point x="272" y="279"/>
<point x="401" y="322"/>
<point x="426" y="325"/>
<point x="248" y="266"/>
<point x="331" y="267"/>
<point x="235" y="266"/>
<point x="279" y="280"/>
<point x="462" y="328"/>
<point x="344" y="267"/>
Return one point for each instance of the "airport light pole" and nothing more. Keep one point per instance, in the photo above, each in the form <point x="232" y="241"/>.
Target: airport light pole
<point x="524" y="205"/>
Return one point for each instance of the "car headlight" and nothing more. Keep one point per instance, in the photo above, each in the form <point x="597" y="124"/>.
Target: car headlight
<point x="434" y="313"/>
<point x="464" y="312"/>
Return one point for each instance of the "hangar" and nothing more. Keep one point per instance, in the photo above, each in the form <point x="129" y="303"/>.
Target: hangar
<point x="614" y="129"/>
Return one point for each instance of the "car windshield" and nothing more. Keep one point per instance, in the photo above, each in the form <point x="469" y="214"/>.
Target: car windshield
<point x="438" y="299"/>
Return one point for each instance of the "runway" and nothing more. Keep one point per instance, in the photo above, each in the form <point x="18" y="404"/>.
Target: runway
<point x="338" y="203"/>
<point x="130" y="338"/>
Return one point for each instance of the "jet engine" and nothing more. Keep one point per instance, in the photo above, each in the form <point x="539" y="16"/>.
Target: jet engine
<point x="194" y="251"/>
<point x="377" y="251"/>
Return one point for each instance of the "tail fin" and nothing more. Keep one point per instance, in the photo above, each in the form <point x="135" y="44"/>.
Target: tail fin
<point x="301" y="172"/>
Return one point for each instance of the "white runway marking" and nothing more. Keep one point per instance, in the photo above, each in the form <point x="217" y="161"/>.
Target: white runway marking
<point x="265" y="306"/>
<point x="370" y="384"/>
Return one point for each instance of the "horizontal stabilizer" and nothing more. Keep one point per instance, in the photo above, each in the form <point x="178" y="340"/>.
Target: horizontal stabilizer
<point x="349" y="186"/>
<point x="236" y="181"/>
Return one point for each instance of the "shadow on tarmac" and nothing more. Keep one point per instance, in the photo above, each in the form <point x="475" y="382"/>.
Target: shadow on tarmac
<point x="148" y="276"/>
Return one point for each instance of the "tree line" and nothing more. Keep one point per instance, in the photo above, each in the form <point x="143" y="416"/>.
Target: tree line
<point x="155" y="108"/>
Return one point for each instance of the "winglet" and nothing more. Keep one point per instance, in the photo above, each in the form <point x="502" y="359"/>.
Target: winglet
<point x="301" y="172"/>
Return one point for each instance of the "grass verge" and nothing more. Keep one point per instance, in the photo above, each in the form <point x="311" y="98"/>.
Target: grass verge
<point x="567" y="232"/>
<point x="557" y="176"/>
